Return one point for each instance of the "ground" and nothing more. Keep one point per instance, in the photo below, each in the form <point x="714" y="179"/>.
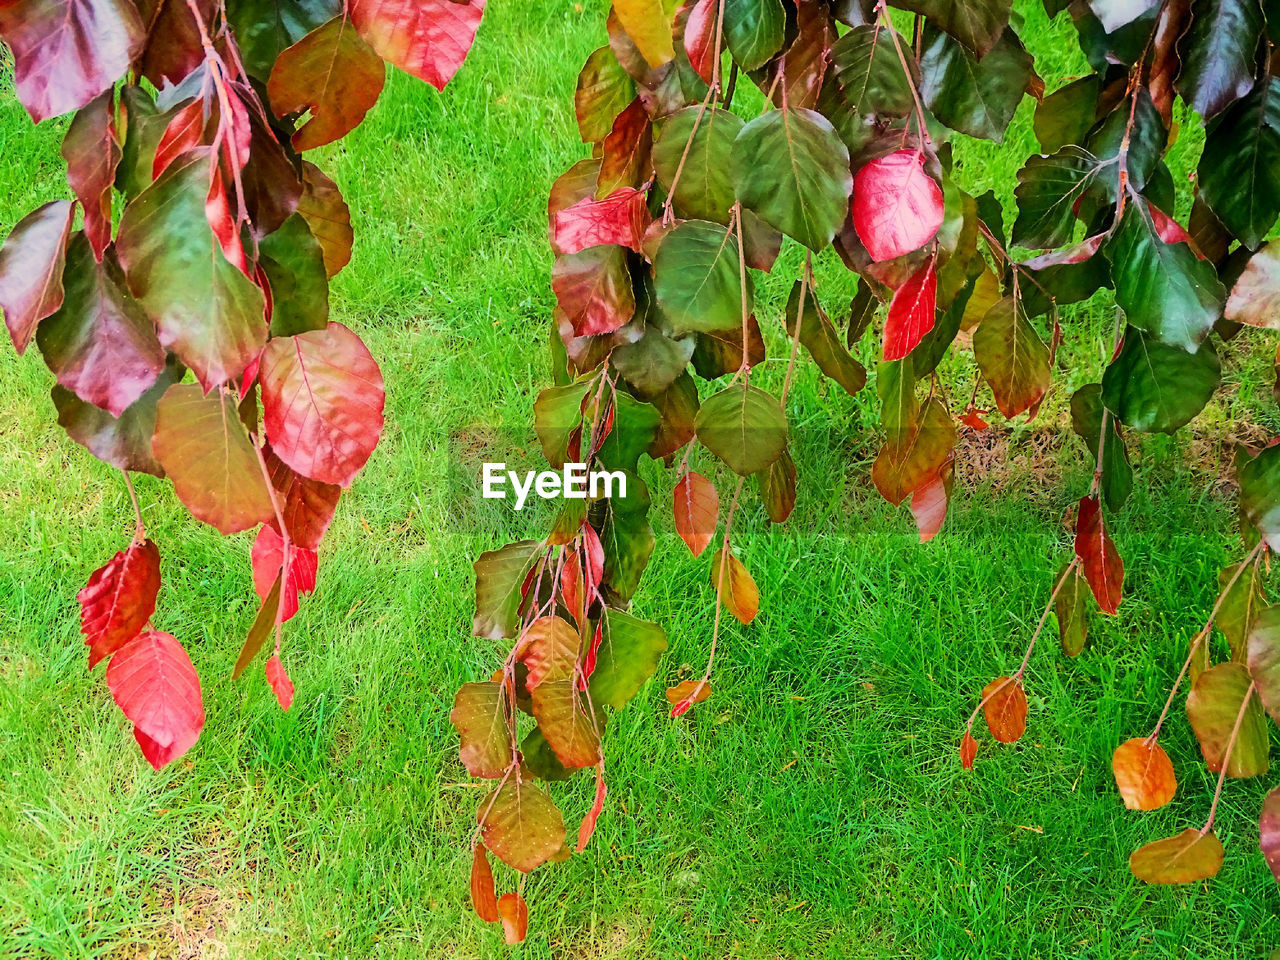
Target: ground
<point x="814" y="807"/>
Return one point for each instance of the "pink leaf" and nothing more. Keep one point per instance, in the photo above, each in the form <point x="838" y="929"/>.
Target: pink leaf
<point x="929" y="501"/>
<point x="322" y="400"/>
<point x="897" y="207"/>
<point x="700" y="37"/>
<point x="427" y="38"/>
<point x="588" y="826"/>
<point x="280" y="682"/>
<point x="911" y="313"/>
<point x="267" y="556"/>
<point x="620" y="218"/>
<point x="155" y="685"/>
<point x="119" y="599"/>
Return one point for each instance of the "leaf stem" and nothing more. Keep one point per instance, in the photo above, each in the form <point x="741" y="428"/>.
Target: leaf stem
<point x="140" y="530"/>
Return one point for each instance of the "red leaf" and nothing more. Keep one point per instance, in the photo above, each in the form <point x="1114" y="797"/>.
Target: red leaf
<point x="621" y="218"/>
<point x="66" y="52"/>
<point x="1144" y="774"/>
<point x="1102" y="565"/>
<point x="972" y="418"/>
<point x="515" y="918"/>
<point x="280" y="682"/>
<point x="685" y="694"/>
<point x="322" y="400"/>
<point x="267" y="556"/>
<point x="594" y="290"/>
<point x="155" y="685"/>
<point x="483" y="898"/>
<point x="1006" y="710"/>
<point x="911" y="313"/>
<point x="427" y="38"/>
<point x="1170" y="230"/>
<point x="333" y="75"/>
<point x="700" y="37"/>
<point x="589" y="661"/>
<point x="968" y="750"/>
<point x="897" y="207"/>
<point x="625" y="152"/>
<point x="306" y="505"/>
<point x="119" y="599"/>
<point x="92" y="153"/>
<point x="697" y="509"/>
<point x="588" y="826"/>
<point x="183" y="133"/>
<point x="31" y="263"/>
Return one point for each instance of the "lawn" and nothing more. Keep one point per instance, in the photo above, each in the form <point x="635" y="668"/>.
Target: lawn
<point x="814" y="807"/>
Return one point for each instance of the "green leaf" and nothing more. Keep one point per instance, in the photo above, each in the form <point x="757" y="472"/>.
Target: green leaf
<point x="1072" y="608"/>
<point x="499" y="576"/>
<point x="744" y="426"/>
<point x="973" y="96"/>
<point x="1163" y="288"/>
<point x="823" y="342"/>
<point x="264" y="29"/>
<point x="913" y="456"/>
<point x="1260" y="494"/>
<point x="205" y="309"/>
<point x="977" y="24"/>
<point x="865" y="81"/>
<point x="1086" y="421"/>
<point x="1147" y="139"/>
<point x="520" y="825"/>
<point x="1219" y="53"/>
<point x="1212" y="707"/>
<point x="678" y="405"/>
<point x="777" y="486"/>
<point x="704" y="190"/>
<point x="792" y="170"/>
<point x="648" y="24"/>
<point x="896" y="388"/>
<point x="1186" y="858"/>
<point x="626" y="536"/>
<point x="753" y="30"/>
<point x="556" y="414"/>
<point x="540" y="760"/>
<point x="293" y="261"/>
<point x="635" y="423"/>
<point x="652" y="363"/>
<point x="1012" y="357"/>
<point x="480" y="716"/>
<point x="1239" y="171"/>
<point x="262" y="627"/>
<point x="1065" y="116"/>
<point x="697" y="280"/>
<point x="207" y="453"/>
<point x="1155" y="387"/>
<point x="1048" y="189"/>
<point x="628" y="654"/>
<point x="1241" y="605"/>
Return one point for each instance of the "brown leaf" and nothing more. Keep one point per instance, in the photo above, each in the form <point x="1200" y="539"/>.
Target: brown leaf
<point x="523" y="827"/>
<point x="1099" y="558"/>
<point x="697" y="508"/>
<point x="968" y="750"/>
<point x="483" y="898"/>
<point x="1006" y="710"/>
<point x="1144" y="774"/>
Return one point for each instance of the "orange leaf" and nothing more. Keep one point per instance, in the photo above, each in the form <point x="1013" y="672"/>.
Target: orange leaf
<point x="697" y="508"/>
<point x="968" y="750"/>
<point x="588" y="826"/>
<point x="483" y="898"/>
<point x="515" y="917"/>
<point x="1144" y="774"/>
<point x="682" y="696"/>
<point x="1102" y="565"/>
<point x="734" y="586"/>
<point x="278" y="677"/>
<point x="1186" y="858"/>
<point x="1006" y="710"/>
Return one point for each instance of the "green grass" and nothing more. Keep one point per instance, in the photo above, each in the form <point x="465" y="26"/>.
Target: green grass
<point x="814" y="807"/>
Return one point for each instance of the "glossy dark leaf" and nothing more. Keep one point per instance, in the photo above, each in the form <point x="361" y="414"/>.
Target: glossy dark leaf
<point x="1047" y="193"/>
<point x="99" y="344"/>
<point x="973" y="96"/>
<point x="119" y="599"/>
<point x="427" y="38"/>
<point x="697" y="278"/>
<point x="205" y="309"/>
<point x="155" y="685"/>
<point x="322" y="400"/>
<point x="1163" y="288"/>
<point x="266" y="28"/>
<point x="865" y="81"/>
<point x="705" y="188"/>
<point x="1185" y="858"/>
<point x="1213" y="705"/>
<point x="977" y="24"/>
<point x="897" y="207"/>
<point x="520" y="825"/>
<point x="792" y="170"/>
<point x="31" y="268"/>
<point x="754" y="30"/>
<point x="1239" y="171"/>
<point x="626" y="154"/>
<point x="173" y="48"/>
<point x="1219" y="53"/>
<point x="1065" y="116"/>
<point x="66" y="52"/>
<point x="1153" y="386"/>
<point x="1099" y="559"/>
<point x="1012" y="357"/>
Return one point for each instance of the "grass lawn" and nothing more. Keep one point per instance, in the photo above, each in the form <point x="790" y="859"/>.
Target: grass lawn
<point x="814" y="807"/>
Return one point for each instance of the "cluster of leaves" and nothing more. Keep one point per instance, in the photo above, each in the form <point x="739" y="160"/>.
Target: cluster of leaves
<point x="658" y="234"/>
<point x="200" y="242"/>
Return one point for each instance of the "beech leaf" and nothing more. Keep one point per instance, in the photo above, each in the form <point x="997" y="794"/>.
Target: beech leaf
<point x="522" y="828"/>
<point x="1099" y="559"/>
<point x="515" y="918"/>
<point x="155" y="685"/>
<point x="897" y="207"/>
<point x="697" y="509"/>
<point x="119" y="599"/>
<point x="480" y="716"/>
<point x="1006" y="710"/>
<point x="744" y="426"/>
<point x="281" y="685"/>
<point x="483" y="898"/>
<point x="267" y="555"/>
<point x="1186" y="858"/>
<point x="427" y="38"/>
<point x="31" y="267"/>
<point x="1144" y="774"/>
<point x="1213" y="705"/>
<point x="734" y="586"/>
